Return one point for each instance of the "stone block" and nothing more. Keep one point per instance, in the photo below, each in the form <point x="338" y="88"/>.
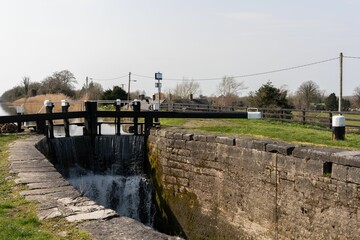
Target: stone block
<point x="350" y="158"/>
<point x="211" y="138"/>
<point x="301" y="152"/>
<point x="199" y="137"/>
<point x="179" y="144"/>
<point x="261" y="144"/>
<point x="244" y="142"/>
<point x="170" y="179"/>
<point x="288" y="163"/>
<point x="176" y="172"/>
<point x="354" y="175"/>
<point x="339" y="172"/>
<point x="313" y="168"/>
<point x="169" y="143"/>
<point x="183" y="181"/>
<point x="178" y="135"/>
<point x="169" y="135"/>
<point x="344" y="192"/>
<point x="303" y="185"/>
<point x="184" y="152"/>
<point x="322" y="154"/>
<point x="188" y="136"/>
<point x="281" y="148"/>
<point x="230" y="141"/>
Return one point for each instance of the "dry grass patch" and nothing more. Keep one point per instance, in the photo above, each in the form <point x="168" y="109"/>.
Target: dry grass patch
<point x="35" y="104"/>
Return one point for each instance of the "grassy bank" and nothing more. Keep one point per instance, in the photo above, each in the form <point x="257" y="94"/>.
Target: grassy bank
<point x="18" y="218"/>
<point x="289" y="132"/>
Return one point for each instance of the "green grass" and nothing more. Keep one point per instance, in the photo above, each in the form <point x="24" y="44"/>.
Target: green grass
<point x="18" y="218"/>
<point x="289" y="132"/>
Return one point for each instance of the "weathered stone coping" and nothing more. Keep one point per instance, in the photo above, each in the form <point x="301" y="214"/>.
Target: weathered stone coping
<point x="57" y="198"/>
<point x="334" y="155"/>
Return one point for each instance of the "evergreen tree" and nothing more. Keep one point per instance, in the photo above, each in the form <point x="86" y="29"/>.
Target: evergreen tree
<point x="116" y="93"/>
<point x="269" y="96"/>
<point x="331" y="103"/>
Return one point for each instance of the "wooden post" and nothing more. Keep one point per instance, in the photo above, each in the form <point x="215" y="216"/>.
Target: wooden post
<point x="40" y="127"/>
<point x="49" y="108"/>
<point x="65" y="108"/>
<point x="330" y="120"/>
<point x="91" y="119"/>
<point x="303" y="121"/>
<point x="136" y="107"/>
<point x="19" y="111"/>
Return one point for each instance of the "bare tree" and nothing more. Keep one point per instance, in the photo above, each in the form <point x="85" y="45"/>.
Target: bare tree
<point x="229" y="89"/>
<point x="229" y="86"/>
<point x="66" y="77"/>
<point x="308" y="93"/>
<point x="186" y="88"/>
<point x="59" y="82"/>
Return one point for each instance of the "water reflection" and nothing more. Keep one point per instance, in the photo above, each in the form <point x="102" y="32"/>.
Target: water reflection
<point x="6" y="110"/>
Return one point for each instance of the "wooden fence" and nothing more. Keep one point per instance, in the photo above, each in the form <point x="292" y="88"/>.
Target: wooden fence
<point x="320" y="119"/>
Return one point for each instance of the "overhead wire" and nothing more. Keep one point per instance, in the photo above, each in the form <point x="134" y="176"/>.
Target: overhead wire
<point x="245" y="75"/>
<point x="238" y="76"/>
<point x="108" y="79"/>
<point x="351" y="57"/>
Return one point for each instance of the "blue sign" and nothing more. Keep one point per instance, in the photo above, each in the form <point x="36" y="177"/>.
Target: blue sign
<point x="158" y="76"/>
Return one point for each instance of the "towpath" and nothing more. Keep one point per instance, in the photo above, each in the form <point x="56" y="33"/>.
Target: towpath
<point x="57" y="198"/>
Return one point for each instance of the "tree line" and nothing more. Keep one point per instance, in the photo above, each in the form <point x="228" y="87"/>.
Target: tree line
<point x="308" y="96"/>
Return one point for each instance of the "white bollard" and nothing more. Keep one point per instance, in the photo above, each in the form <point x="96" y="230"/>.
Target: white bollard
<point x="338" y="125"/>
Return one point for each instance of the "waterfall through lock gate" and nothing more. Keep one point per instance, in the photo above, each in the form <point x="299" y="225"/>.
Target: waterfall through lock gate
<point x="129" y="196"/>
<point x="111" y="173"/>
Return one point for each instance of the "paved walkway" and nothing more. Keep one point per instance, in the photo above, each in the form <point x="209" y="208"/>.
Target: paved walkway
<point x="56" y="197"/>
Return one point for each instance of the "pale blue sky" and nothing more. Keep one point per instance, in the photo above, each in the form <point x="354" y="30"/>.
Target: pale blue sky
<point x="181" y="38"/>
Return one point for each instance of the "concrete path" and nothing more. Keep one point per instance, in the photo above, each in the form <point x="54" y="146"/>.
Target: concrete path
<point x="56" y="197"/>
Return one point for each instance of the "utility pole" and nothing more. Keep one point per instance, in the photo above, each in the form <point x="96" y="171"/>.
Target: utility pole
<point x="87" y="87"/>
<point x="341" y="79"/>
<point x="128" y="97"/>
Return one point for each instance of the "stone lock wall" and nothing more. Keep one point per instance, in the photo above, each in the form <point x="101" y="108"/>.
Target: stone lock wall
<point x="221" y="187"/>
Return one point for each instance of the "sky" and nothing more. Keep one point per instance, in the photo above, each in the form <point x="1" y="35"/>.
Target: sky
<point x="197" y="39"/>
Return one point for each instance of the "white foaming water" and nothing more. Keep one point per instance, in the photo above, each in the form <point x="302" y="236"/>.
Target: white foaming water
<point x="129" y="196"/>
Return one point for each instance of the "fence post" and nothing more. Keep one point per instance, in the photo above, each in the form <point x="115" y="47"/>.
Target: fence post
<point x="117" y="120"/>
<point x="303" y="121"/>
<point x="65" y="109"/>
<point x="49" y="108"/>
<point x="330" y="120"/>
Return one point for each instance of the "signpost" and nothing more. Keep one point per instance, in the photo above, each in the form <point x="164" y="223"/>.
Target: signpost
<point x="158" y="77"/>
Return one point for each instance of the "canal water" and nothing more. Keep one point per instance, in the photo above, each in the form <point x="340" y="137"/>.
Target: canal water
<point x="4" y="110"/>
